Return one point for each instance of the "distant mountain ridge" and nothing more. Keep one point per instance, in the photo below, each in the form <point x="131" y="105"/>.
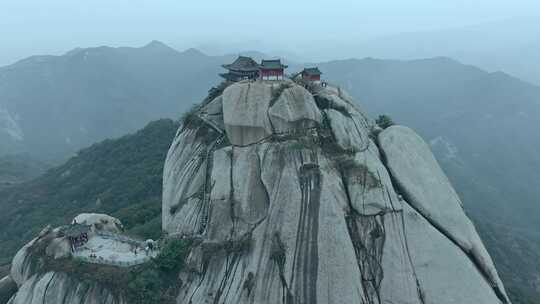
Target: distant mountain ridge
<point x="510" y="45"/>
<point x="59" y="104"/>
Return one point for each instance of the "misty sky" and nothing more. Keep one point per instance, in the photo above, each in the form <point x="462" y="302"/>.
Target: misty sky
<point x="29" y="27"/>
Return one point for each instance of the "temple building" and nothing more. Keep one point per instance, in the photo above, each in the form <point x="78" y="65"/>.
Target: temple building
<point x="312" y="74"/>
<point x="242" y="68"/>
<point x="271" y="69"/>
<point x="77" y="235"/>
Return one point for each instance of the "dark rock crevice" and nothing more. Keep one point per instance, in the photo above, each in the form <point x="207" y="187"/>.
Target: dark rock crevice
<point x="47" y="287"/>
<point x="306" y="257"/>
<point x="205" y="202"/>
<point x="278" y="254"/>
<point x="368" y="236"/>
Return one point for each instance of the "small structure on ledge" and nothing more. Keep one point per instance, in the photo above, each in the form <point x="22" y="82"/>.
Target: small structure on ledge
<point x="272" y="69"/>
<point x="311" y="74"/>
<point x="77" y="235"/>
<point x="241" y="69"/>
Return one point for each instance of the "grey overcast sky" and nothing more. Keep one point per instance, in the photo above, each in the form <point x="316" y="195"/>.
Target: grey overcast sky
<point x="30" y="27"/>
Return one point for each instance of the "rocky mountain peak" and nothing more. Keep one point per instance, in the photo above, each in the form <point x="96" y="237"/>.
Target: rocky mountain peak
<point x="158" y="47"/>
<point x="156" y="44"/>
<point x="286" y="192"/>
<point x="295" y="196"/>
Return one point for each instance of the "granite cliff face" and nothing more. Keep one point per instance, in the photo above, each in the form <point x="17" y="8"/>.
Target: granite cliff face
<point x="290" y="194"/>
<point x="295" y="196"/>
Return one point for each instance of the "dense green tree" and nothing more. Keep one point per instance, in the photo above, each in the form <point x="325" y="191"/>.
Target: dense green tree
<point x="384" y="121"/>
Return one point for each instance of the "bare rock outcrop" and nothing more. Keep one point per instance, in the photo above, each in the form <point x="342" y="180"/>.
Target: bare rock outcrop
<point x="99" y="222"/>
<point x="428" y="190"/>
<point x="245" y="112"/>
<point x="37" y="283"/>
<point x="292" y="201"/>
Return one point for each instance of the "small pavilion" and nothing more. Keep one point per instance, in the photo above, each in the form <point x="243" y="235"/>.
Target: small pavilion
<point x="77" y="235"/>
<point x="242" y="68"/>
<point x="311" y="74"/>
<point x="272" y="69"/>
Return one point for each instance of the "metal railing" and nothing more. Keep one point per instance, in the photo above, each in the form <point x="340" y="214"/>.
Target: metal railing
<point x="102" y="261"/>
<point x="120" y="238"/>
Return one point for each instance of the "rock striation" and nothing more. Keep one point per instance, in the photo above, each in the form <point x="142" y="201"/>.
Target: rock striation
<point x="294" y="198"/>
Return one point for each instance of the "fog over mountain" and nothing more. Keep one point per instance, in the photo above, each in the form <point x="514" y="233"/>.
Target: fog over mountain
<point x="480" y="125"/>
<point x="51" y="106"/>
<point x="494" y="34"/>
<point x="131" y="172"/>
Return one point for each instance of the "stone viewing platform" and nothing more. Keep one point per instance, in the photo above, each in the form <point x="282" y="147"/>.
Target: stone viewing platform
<point x="117" y="250"/>
<point x="98" y="239"/>
<point x="90" y="260"/>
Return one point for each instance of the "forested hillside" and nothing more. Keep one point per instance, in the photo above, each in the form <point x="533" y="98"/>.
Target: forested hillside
<point x="121" y="177"/>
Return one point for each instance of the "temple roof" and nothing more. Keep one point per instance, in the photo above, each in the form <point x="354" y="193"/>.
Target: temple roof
<point x="272" y="64"/>
<point x="75" y="230"/>
<point x="228" y="76"/>
<point x="312" y="71"/>
<point x="242" y="63"/>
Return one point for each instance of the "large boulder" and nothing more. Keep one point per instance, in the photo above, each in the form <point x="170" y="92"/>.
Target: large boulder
<point x="428" y="190"/>
<point x="294" y="111"/>
<point x="313" y="216"/>
<point x="349" y="133"/>
<point x="100" y="222"/>
<point x="245" y="112"/>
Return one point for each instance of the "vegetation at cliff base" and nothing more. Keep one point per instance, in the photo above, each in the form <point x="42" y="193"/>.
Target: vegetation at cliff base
<point x="157" y="281"/>
<point x="172" y="255"/>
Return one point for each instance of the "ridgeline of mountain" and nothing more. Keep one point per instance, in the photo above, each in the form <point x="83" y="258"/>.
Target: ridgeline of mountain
<point x="285" y="192"/>
<point x="52" y="106"/>
<point x="121" y="177"/>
